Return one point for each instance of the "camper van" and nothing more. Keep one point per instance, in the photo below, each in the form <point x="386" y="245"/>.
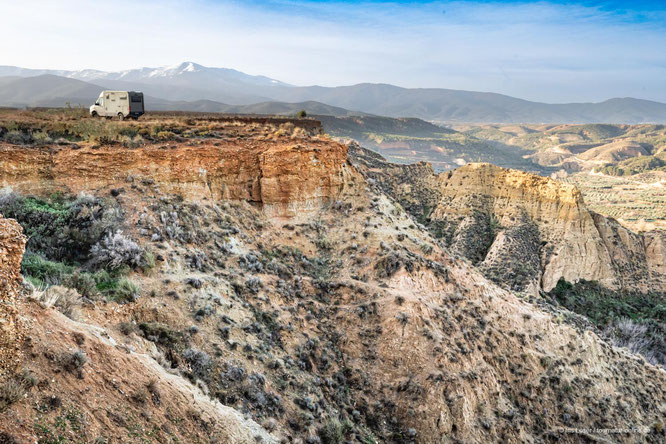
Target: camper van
<point x="119" y="104"/>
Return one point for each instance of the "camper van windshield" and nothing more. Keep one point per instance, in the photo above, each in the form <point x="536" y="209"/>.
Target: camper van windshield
<point x="100" y="101"/>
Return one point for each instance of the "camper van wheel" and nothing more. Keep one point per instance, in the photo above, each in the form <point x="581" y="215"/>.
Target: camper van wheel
<point x="120" y="116"/>
<point x="94" y="114"/>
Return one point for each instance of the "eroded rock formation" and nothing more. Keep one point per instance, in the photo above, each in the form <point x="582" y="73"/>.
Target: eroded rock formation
<point x="524" y="231"/>
<point x="12" y="245"/>
<point x="285" y="178"/>
<point x="571" y="241"/>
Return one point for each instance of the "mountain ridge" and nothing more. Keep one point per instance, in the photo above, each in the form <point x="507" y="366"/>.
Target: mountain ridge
<point x="189" y="81"/>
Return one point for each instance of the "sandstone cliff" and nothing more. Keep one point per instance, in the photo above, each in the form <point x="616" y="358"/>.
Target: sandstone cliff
<point x="569" y="240"/>
<point x="284" y="178"/>
<point x="12" y="245"/>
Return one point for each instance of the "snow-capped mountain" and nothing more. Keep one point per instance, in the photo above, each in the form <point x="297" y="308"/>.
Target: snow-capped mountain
<point x="190" y="82"/>
<point x="184" y="81"/>
<point x="189" y="70"/>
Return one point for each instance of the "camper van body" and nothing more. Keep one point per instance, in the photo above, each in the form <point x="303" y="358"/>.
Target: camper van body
<point x="118" y="104"/>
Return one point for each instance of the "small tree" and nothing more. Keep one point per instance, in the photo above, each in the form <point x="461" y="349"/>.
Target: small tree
<point x="302" y="114"/>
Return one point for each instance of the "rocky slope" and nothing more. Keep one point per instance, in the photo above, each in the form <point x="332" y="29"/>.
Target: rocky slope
<point x="81" y="383"/>
<point x="523" y="231"/>
<point x="352" y="324"/>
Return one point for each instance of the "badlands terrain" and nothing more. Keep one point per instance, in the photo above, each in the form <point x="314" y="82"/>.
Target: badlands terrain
<point x="191" y="278"/>
<point x="619" y="169"/>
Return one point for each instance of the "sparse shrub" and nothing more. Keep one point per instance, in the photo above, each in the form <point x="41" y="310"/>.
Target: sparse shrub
<point x="66" y="300"/>
<point x="161" y="334"/>
<point x="253" y="284"/>
<point x="389" y="265"/>
<point x="166" y="135"/>
<point x="251" y="263"/>
<point x="403" y="318"/>
<point x="335" y="431"/>
<point x="115" y="250"/>
<point x="125" y="291"/>
<point x="27" y="379"/>
<point x="197" y="260"/>
<point x="299" y="133"/>
<point x="132" y="142"/>
<point x="41" y="138"/>
<point x="194" y="282"/>
<point x="74" y="362"/>
<point x="205" y="311"/>
<point x="140" y="396"/>
<point x="200" y="363"/>
<point x="10" y="392"/>
<point x="17" y="137"/>
<point x="154" y="391"/>
<point x="323" y="243"/>
<point x="127" y="328"/>
<point x="148" y="261"/>
<point x="84" y="283"/>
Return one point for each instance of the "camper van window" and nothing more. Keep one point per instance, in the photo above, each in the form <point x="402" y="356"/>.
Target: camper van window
<point x="123" y="98"/>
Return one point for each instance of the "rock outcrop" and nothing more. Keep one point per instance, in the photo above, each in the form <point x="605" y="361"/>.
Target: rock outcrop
<point x="284" y="178"/>
<point x="12" y="245"/>
<point x="571" y="241"/>
<point x="522" y="230"/>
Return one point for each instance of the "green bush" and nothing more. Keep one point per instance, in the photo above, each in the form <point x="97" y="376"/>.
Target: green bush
<point x="635" y="165"/>
<point x="124" y="291"/>
<point x="62" y="228"/>
<point x="635" y="321"/>
<point x="45" y="271"/>
<point x="84" y="283"/>
<point x="602" y="306"/>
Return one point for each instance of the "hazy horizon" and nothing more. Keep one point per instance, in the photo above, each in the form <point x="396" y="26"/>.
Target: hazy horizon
<point x="554" y="52"/>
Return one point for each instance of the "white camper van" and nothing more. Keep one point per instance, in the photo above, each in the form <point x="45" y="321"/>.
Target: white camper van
<point x="118" y="104"/>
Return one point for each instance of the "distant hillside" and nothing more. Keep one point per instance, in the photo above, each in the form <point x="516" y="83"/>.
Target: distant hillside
<point x="190" y="82"/>
<point x="581" y="147"/>
<point x="410" y="140"/>
<point x="46" y="90"/>
<point x="444" y="105"/>
<point x="50" y="90"/>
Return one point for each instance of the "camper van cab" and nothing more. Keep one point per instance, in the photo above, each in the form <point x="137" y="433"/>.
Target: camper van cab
<point x="118" y="104"/>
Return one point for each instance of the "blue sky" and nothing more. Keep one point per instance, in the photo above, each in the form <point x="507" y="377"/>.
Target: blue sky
<point x="554" y="51"/>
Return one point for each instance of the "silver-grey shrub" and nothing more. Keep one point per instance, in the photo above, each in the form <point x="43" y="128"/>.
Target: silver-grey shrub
<point x="115" y="251"/>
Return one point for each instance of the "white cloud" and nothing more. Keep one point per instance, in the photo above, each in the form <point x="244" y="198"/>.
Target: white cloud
<point x="536" y="51"/>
